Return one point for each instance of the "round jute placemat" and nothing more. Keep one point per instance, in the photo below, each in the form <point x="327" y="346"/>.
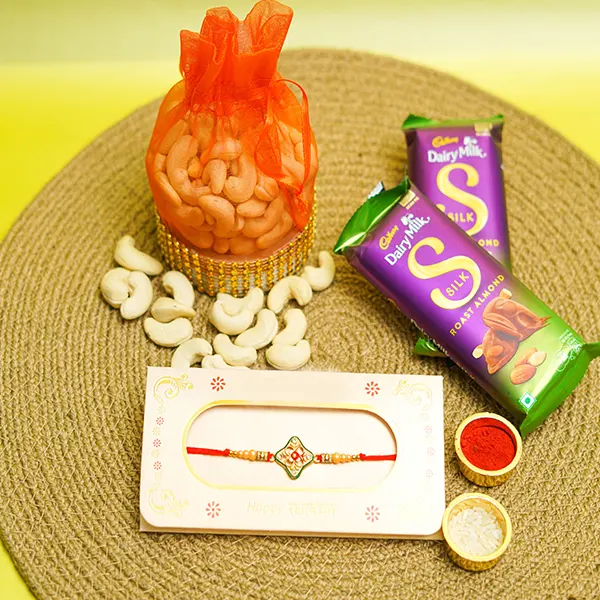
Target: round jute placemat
<point x="73" y="373"/>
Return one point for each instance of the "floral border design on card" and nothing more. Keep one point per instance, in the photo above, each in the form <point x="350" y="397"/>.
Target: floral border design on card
<point x="417" y="393"/>
<point x="164" y="501"/>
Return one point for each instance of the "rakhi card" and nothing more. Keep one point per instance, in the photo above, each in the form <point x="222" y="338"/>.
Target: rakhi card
<point x="304" y="453"/>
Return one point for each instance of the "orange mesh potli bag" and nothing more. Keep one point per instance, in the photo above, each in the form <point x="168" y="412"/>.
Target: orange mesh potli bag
<point x="232" y="160"/>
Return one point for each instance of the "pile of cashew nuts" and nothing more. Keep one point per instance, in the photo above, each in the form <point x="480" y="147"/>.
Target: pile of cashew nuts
<point x="215" y="194"/>
<point x="129" y="289"/>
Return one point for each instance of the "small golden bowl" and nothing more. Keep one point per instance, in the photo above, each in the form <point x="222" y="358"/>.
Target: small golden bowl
<point x="472" y="562"/>
<point x="483" y="477"/>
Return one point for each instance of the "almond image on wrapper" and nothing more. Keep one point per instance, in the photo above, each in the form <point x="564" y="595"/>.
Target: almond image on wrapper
<point x="510" y="323"/>
<point x="526" y="366"/>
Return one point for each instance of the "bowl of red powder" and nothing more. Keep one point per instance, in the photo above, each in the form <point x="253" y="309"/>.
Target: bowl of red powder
<point x="488" y="448"/>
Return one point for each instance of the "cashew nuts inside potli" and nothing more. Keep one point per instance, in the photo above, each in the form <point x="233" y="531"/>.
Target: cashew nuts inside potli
<point x="168" y="190"/>
<point x="240" y="188"/>
<point x="252" y="208"/>
<point x="214" y="175"/>
<point x="183" y="150"/>
<point x="242" y="246"/>
<point x="222" y="211"/>
<point x="254" y="228"/>
<point x="194" y="167"/>
<point x="227" y="149"/>
<point x="179" y="129"/>
<point x="274" y="235"/>
<point x="267" y="188"/>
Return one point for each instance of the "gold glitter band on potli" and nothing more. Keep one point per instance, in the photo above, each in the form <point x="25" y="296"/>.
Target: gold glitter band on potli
<point x="212" y="275"/>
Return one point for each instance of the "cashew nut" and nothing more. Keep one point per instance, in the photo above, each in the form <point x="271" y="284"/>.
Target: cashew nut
<point x="239" y="224"/>
<point x="200" y="239"/>
<point x="287" y="288"/>
<point x="321" y="278"/>
<point x="242" y="246"/>
<point x="128" y="256"/>
<point x="183" y="150"/>
<point x="291" y="132"/>
<point x="165" y="185"/>
<point x="241" y="188"/>
<point x="295" y="328"/>
<point x="288" y="358"/>
<point x="262" y="333"/>
<point x="214" y="175"/>
<point x="295" y="135"/>
<point x="190" y="353"/>
<point x="221" y="245"/>
<point x="291" y="166"/>
<point x="180" y="128"/>
<point x="252" y="208"/>
<point x="140" y="296"/>
<point x="166" y="310"/>
<point x="267" y="188"/>
<point x="231" y="325"/>
<point x="233" y="355"/>
<point x="194" y="167"/>
<point x="271" y="237"/>
<point x="227" y="149"/>
<point x="114" y="286"/>
<point x="253" y="301"/>
<point x="221" y="210"/>
<point x="215" y="361"/>
<point x="192" y="216"/>
<point x="254" y="228"/>
<point x="160" y="160"/>
<point x="168" y="334"/>
<point x="178" y="285"/>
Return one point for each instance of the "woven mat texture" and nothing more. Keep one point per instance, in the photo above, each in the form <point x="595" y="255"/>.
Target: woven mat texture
<point x="73" y="373"/>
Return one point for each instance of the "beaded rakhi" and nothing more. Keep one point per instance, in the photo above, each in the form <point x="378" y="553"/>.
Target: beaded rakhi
<point x="294" y="457"/>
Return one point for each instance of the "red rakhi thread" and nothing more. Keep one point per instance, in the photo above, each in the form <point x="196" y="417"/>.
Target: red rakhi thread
<point x="294" y="457"/>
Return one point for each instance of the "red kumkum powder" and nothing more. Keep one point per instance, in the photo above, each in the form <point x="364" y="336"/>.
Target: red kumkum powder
<point x="487" y="447"/>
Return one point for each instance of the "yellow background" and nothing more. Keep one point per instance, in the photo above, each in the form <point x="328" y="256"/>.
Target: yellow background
<point x="71" y="68"/>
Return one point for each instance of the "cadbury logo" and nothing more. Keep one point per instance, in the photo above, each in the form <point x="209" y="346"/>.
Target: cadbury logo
<point x="412" y="225"/>
<point x="386" y="240"/>
<point x="441" y="140"/>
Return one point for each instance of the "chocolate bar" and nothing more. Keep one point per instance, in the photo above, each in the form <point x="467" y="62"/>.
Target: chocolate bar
<point x="475" y="310"/>
<point x="458" y="165"/>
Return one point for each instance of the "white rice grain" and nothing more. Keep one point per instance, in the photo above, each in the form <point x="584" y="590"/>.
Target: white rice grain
<point x="475" y="531"/>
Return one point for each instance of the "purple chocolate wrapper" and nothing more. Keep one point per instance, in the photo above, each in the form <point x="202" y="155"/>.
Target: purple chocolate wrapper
<point x="480" y="314"/>
<point x="458" y="166"/>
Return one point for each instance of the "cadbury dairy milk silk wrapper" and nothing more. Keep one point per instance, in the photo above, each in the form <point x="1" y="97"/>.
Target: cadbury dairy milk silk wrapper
<point x="486" y="320"/>
<point x="458" y="166"/>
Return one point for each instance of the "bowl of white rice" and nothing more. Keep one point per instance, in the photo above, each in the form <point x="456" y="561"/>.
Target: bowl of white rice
<point x="477" y="530"/>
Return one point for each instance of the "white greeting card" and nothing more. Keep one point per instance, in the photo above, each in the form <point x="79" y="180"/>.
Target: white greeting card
<point x="299" y="424"/>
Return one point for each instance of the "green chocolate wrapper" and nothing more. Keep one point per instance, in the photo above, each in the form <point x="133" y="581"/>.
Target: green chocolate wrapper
<point x="474" y="308"/>
<point x="458" y="166"/>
